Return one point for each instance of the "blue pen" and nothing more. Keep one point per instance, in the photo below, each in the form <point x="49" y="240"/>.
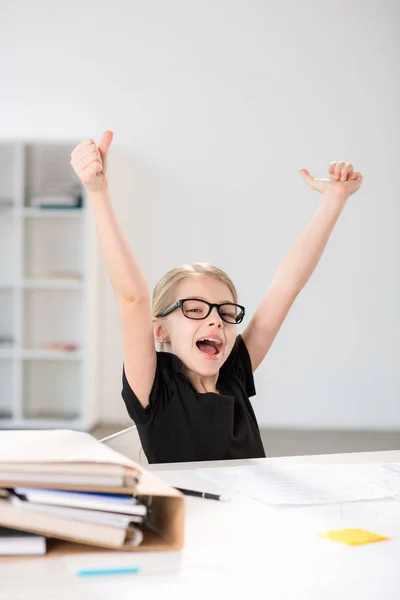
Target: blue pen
<point x="105" y="571"/>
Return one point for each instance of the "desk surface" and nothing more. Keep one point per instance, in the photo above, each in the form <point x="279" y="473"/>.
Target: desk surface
<point x="230" y="548"/>
<point x="318" y="459"/>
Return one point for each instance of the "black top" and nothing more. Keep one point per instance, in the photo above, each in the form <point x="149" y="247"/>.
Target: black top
<point x="180" y="424"/>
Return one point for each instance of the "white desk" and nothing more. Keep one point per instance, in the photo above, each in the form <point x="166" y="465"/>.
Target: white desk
<point x="244" y="547"/>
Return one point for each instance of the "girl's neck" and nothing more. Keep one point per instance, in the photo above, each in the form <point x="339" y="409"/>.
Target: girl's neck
<point x="201" y="384"/>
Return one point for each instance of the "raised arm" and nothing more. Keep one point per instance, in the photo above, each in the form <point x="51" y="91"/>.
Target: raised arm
<point x="128" y="282"/>
<point x="300" y="262"/>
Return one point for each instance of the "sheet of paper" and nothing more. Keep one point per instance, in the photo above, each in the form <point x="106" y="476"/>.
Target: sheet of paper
<point x="288" y="485"/>
<point x="391" y="468"/>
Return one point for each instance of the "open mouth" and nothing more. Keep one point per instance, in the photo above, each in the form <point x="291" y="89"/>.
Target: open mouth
<point x="210" y="347"/>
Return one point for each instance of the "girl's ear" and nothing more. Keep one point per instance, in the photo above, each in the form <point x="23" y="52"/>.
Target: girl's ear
<point x="160" y="331"/>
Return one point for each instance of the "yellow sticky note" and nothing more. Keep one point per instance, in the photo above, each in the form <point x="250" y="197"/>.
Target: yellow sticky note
<point x="354" y="537"/>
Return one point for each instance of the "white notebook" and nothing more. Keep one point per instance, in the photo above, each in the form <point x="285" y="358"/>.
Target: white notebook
<point x="123" y="504"/>
<point x="20" y="543"/>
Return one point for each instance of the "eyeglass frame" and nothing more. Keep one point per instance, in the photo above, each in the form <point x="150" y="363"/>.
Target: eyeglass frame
<point x="180" y="303"/>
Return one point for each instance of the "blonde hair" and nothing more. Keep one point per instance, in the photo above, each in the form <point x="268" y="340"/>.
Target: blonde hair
<point x="164" y="291"/>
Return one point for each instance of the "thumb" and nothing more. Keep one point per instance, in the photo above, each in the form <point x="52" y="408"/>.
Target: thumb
<point x="105" y="143"/>
<point x="306" y="176"/>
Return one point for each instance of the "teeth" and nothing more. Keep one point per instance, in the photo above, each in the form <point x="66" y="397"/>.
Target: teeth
<point x="209" y="340"/>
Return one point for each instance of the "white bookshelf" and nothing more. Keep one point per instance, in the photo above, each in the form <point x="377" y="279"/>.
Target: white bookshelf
<point x="48" y="277"/>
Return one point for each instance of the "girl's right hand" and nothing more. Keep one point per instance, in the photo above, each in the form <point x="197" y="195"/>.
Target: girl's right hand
<point x="90" y="162"/>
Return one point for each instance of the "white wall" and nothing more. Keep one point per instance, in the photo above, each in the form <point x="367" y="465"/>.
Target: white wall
<point x="215" y="106"/>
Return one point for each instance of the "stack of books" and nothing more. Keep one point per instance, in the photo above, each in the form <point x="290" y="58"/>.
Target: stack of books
<point x="57" y="195"/>
<point x="67" y="485"/>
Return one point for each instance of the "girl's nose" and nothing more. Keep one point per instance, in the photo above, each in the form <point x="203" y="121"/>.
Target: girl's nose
<point x="214" y="318"/>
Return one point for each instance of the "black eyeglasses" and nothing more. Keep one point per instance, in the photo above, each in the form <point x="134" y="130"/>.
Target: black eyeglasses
<point x="193" y="308"/>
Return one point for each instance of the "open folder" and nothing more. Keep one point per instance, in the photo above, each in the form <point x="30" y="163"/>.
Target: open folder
<point x="72" y="460"/>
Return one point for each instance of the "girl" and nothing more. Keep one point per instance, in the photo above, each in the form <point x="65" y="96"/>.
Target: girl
<point x="190" y="401"/>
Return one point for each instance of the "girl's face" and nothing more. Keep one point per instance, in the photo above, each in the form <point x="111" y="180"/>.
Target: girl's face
<point x="184" y="334"/>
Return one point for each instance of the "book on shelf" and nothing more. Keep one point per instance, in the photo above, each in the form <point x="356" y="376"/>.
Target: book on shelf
<point x="66" y="485"/>
<point x="56" y="200"/>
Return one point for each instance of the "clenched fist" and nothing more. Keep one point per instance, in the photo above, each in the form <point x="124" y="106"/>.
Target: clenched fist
<point x="90" y="162"/>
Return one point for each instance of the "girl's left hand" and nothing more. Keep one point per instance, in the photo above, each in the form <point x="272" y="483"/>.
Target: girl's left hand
<point x="343" y="180"/>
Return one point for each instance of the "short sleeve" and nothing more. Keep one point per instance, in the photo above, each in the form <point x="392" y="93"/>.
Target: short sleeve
<point x="238" y="365"/>
<point x="159" y="394"/>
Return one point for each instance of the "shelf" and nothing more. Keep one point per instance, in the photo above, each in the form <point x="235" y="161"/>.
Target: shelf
<point x="52" y="316"/>
<point x="73" y="422"/>
<point x="44" y="283"/>
<point x="7" y="353"/>
<point x="48" y="262"/>
<point x="51" y="390"/>
<point x="48" y="170"/>
<point x="52" y="213"/>
<point x="46" y="416"/>
<point x="38" y="354"/>
<point x="51" y="284"/>
<point x="65" y="238"/>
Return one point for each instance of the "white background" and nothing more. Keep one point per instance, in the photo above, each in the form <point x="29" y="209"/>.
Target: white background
<point x="216" y="105"/>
